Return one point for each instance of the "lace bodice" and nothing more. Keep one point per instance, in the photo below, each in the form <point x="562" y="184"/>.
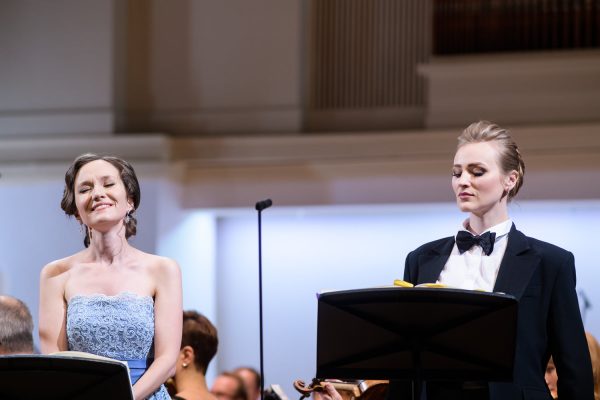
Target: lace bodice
<point x="120" y="326"/>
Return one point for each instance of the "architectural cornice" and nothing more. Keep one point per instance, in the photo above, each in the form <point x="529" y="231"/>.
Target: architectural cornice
<point x="563" y="162"/>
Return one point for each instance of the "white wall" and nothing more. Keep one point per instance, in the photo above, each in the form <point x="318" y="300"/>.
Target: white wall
<point x="93" y="66"/>
<point x="34" y="232"/>
<point x="56" y="72"/>
<point x="514" y="88"/>
<point x="206" y="66"/>
<point x="188" y="237"/>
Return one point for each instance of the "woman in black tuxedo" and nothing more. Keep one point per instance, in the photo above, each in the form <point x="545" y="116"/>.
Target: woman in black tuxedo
<point x="490" y="253"/>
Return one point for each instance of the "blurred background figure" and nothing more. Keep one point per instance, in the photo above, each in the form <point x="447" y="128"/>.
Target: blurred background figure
<point x="595" y="356"/>
<point x="251" y="378"/>
<point x="229" y="386"/>
<point x="199" y="343"/>
<point x="552" y="377"/>
<point x="16" y="327"/>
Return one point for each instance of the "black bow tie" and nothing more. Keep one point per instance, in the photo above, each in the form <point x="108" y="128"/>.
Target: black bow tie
<point x="464" y="241"/>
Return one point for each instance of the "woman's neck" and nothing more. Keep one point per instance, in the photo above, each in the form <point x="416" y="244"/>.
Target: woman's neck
<point x="480" y="223"/>
<point x="108" y="247"/>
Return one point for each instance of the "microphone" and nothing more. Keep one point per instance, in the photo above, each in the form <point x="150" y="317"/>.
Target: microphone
<point x="260" y="206"/>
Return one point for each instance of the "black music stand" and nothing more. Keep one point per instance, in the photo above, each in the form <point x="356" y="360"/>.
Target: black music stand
<point x="26" y="377"/>
<point x="416" y="334"/>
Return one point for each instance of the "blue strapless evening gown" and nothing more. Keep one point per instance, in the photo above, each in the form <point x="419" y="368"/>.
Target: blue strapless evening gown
<point x="119" y="327"/>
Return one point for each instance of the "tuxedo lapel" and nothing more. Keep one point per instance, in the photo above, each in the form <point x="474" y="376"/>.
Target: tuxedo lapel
<point x="432" y="263"/>
<point x="517" y="266"/>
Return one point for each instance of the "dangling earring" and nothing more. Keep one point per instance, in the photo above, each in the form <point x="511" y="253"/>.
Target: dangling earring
<point x="81" y="228"/>
<point x="89" y="232"/>
<point x="127" y="217"/>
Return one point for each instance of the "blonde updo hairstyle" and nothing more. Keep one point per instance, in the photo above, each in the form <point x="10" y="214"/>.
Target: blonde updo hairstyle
<point x="510" y="158"/>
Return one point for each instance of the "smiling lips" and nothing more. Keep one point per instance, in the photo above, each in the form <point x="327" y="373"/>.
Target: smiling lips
<point x="101" y="206"/>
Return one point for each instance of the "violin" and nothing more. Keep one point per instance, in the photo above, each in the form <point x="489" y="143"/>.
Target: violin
<point x="355" y="390"/>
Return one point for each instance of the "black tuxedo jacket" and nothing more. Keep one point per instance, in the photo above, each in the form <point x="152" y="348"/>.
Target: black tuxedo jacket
<point x="542" y="278"/>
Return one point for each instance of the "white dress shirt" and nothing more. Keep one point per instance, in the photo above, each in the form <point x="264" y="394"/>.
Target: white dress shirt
<point x="473" y="269"/>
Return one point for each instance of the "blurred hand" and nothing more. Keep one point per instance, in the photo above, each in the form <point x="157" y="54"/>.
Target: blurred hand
<point x="328" y="394"/>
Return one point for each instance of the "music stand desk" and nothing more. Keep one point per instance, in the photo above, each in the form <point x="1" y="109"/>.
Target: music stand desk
<point x="26" y="377"/>
<point x="416" y="334"/>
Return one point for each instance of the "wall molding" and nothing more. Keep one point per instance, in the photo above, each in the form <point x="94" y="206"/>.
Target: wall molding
<point x="374" y="167"/>
<point x="320" y="169"/>
<point x="228" y="120"/>
<point x="521" y="88"/>
<point x="52" y="122"/>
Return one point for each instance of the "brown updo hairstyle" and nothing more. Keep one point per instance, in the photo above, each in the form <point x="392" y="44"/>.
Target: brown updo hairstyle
<point x="201" y="335"/>
<point x="510" y="156"/>
<point x="128" y="177"/>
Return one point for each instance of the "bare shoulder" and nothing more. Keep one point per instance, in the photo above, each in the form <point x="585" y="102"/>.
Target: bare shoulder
<point x="161" y="266"/>
<point x="58" y="268"/>
<point x="55" y="276"/>
<point x="164" y="273"/>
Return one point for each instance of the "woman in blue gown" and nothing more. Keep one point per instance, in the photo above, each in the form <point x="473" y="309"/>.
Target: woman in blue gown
<point x="110" y="298"/>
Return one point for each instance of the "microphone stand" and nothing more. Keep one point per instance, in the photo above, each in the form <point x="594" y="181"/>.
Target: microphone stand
<point x="260" y="206"/>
